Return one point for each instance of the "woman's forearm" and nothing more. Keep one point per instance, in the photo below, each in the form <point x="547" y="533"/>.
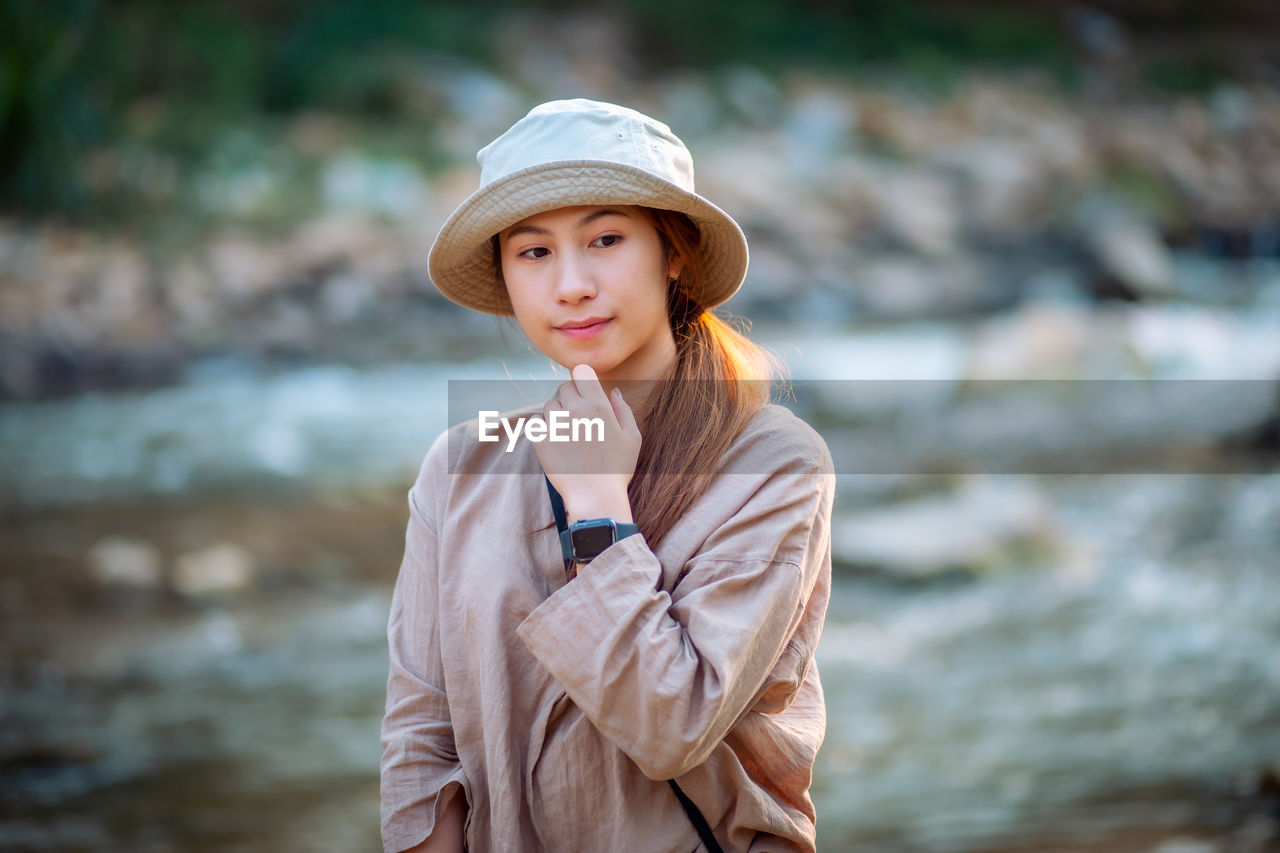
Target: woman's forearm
<point x="447" y="836"/>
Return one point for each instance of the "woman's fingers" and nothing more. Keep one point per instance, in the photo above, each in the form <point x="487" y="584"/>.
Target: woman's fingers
<point x="588" y="386"/>
<point x="622" y="411"/>
<point x="582" y="393"/>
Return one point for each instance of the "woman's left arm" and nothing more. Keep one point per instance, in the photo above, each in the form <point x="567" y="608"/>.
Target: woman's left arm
<point x="666" y="676"/>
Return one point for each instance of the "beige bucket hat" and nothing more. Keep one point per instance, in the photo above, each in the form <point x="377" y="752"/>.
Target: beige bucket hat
<point x="578" y="152"/>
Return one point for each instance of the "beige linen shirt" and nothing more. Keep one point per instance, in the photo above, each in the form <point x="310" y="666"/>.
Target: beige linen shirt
<point x="559" y="707"/>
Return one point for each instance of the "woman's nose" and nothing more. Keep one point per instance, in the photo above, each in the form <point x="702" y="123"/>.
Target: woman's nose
<point x="573" y="281"/>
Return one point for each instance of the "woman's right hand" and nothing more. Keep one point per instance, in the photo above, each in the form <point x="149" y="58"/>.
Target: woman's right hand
<point x="592" y="476"/>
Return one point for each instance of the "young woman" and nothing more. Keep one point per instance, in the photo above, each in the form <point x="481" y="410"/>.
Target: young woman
<point x="649" y="669"/>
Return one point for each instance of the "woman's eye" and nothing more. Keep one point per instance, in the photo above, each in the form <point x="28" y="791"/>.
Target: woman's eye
<point x="535" y="253"/>
<point x="606" y="240"/>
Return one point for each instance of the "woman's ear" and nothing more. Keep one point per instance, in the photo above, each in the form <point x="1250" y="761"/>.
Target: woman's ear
<point x="674" y="266"/>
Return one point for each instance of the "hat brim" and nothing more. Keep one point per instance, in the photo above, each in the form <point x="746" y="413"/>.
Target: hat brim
<point x="461" y="259"/>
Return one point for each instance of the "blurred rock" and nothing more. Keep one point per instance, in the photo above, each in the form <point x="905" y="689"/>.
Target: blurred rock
<point x="895" y="124"/>
<point x="1186" y="845"/>
<point x="1004" y="186"/>
<point x="197" y="306"/>
<point x="900" y="287"/>
<point x="986" y="523"/>
<point x="478" y="97"/>
<point x="820" y="126"/>
<point x="1126" y="247"/>
<point x="122" y="292"/>
<point x="1232" y="108"/>
<point x="1051" y="341"/>
<point x="842" y="192"/>
<point x="373" y="185"/>
<point x="219" y="569"/>
<point x="287" y="328"/>
<point x="334" y="239"/>
<point x="759" y="202"/>
<point x="688" y="105"/>
<point x="346" y="297"/>
<point x="919" y="209"/>
<point x="245" y="269"/>
<point x="775" y="277"/>
<point x="123" y="561"/>
<point x="755" y="99"/>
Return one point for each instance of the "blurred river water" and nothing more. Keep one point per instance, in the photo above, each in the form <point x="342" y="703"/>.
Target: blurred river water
<point x="197" y="580"/>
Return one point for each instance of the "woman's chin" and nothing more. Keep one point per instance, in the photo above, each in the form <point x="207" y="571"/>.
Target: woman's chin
<point x="601" y="366"/>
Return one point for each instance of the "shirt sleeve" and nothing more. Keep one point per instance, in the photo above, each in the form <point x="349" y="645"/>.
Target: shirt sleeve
<point x="665" y="676"/>
<point x="421" y="772"/>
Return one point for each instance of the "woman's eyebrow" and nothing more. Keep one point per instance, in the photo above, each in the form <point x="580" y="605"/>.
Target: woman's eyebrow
<point x="597" y="214"/>
<point x="584" y="221"/>
<point x="524" y="229"/>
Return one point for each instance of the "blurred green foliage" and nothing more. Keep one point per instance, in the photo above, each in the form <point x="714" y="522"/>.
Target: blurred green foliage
<point x="107" y="105"/>
<point x="44" y="116"/>
<point x="839" y="36"/>
<point x="1186" y="76"/>
<point x="154" y="79"/>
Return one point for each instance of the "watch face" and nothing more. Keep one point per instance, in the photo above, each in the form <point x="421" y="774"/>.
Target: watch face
<point x="591" y="538"/>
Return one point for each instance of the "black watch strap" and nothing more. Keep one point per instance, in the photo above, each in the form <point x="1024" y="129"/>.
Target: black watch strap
<point x="586" y="539"/>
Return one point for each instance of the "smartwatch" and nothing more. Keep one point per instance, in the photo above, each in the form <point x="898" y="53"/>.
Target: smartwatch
<point x="585" y="540"/>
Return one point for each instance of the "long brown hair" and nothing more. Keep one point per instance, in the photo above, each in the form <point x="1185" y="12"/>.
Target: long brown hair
<point x="714" y="387"/>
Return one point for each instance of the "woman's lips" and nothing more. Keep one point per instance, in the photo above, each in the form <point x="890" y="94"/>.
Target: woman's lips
<point x="580" y="331"/>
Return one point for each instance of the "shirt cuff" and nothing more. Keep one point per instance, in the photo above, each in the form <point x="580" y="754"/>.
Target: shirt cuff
<point x="608" y="590"/>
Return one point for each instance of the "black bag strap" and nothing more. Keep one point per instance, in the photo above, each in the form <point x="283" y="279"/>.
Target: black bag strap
<point x="557" y="506"/>
<point x="695" y="817"/>
<point x="557" y="509"/>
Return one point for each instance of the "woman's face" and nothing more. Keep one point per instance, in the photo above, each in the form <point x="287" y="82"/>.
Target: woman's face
<point x="589" y="286"/>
